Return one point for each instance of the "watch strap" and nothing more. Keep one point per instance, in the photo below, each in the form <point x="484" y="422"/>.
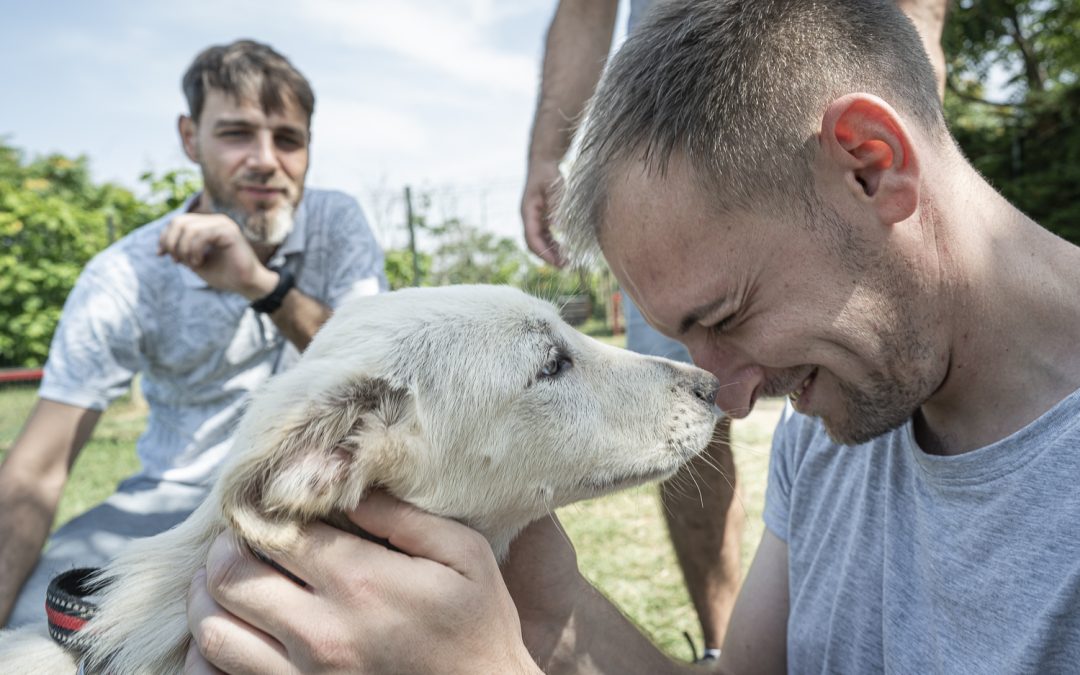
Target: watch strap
<point x="270" y="303"/>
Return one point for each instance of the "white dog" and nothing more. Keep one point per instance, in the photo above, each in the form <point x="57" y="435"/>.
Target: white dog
<point x="473" y="402"/>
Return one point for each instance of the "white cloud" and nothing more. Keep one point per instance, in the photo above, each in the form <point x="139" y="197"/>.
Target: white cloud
<point x="449" y="37"/>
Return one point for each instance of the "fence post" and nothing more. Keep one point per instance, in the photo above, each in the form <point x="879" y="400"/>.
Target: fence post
<point x="412" y="236"/>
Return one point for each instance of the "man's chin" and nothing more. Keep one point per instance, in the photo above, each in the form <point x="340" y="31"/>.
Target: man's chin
<point x="863" y="429"/>
<point x="267" y="228"/>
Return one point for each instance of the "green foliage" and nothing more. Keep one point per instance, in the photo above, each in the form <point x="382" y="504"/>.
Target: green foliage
<point x="465" y="254"/>
<point x="399" y="267"/>
<point x="53" y="219"/>
<point x="171" y="189"/>
<point x="1027" y="145"/>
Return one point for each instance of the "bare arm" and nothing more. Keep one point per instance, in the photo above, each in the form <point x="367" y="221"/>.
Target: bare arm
<point x="32" y="479"/>
<point x="929" y="19"/>
<point x="756" y="640"/>
<point x="569" y="627"/>
<point x="213" y="246"/>
<point x="299" y="316"/>
<point x="577" y="46"/>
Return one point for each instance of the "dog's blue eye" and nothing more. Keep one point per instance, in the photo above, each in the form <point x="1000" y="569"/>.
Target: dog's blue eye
<point x="556" y="366"/>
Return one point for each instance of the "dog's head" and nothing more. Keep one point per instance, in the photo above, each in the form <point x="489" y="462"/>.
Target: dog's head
<point x="474" y="402"/>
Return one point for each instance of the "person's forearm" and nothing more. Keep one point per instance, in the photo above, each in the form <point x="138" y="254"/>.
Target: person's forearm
<point x="299" y="317"/>
<point x="32" y="479"/>
<point x="596" y="638"/>
<point x="577" y="46"/>
<point x="27" y="509"/>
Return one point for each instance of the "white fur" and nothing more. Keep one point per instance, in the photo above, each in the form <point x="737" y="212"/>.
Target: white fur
<point x="436" y="395"/>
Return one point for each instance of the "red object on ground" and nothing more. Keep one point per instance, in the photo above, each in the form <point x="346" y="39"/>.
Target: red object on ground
<point x="616" y="313"/>
<point x="20" y="374"/>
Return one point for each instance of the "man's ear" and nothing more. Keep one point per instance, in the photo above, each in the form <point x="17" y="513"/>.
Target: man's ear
<point x="188" y="130"/>
<point x="316" y="461"/>
<point x="866" y="141"/>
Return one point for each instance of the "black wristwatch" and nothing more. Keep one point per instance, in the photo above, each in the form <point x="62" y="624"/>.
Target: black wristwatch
<point x="269" y="304"/>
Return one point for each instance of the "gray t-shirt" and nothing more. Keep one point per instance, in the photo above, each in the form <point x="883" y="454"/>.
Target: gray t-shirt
<point x="905" y="562"/>
<point x="200" y="351"/>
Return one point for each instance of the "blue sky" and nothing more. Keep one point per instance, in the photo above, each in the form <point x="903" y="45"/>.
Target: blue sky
<point x="436" y="93"/>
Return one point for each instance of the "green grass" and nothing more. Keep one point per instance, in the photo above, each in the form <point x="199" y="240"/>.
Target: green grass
<point x="621" y="539"/>
<point x="108" y="458"/>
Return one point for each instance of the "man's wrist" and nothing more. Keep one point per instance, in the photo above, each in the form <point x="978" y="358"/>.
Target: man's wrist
<point x="271" y="301"/>
<point x="262" y="284"/>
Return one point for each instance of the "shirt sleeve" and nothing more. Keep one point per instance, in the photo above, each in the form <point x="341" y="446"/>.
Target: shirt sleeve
<point x="354" y="256"/>
<point x="781" y="473"/>
<point x="94" y="352"/>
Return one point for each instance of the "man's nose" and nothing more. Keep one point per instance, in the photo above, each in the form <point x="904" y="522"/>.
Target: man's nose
<point x="262" y="154"/>
<point x="739" y="378"/>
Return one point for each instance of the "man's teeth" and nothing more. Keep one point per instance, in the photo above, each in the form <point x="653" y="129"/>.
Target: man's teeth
<point x="794" y="396"/>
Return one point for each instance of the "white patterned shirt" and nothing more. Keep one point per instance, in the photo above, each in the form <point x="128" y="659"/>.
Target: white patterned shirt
<point x="200" y="351"/>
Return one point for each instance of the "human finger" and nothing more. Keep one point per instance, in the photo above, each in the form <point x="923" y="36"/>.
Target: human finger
<point x="171" y="233"/>
<point x="253" y="591"/>
<point x="225" y="643"/>
<point x="534" y="215"/>
<point x="196" y="664"/>
<point x="198" y="243"/>
<point x="421" y="534"/>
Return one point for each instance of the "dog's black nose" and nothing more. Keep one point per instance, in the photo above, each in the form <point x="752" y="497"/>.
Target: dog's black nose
<point x="701" y="384"/>
<point x="705" y="386"/>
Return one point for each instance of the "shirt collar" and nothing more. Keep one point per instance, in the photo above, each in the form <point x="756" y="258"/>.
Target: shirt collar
<point x="293" y="244"/>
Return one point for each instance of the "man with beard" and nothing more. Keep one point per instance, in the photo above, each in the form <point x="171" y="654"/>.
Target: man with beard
<point x="774" y="184"/>
<point x="205" y="303"/>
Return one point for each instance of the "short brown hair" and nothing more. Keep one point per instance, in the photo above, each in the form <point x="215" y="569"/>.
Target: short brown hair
<point x="738" y="88"/>
<point x="247" y="70"/>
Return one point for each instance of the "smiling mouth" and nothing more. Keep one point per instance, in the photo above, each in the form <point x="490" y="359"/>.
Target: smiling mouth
<point x="797" y="393"/>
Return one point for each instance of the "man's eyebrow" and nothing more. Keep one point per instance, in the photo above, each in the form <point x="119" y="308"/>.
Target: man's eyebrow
<point x="233" y="122"/>
<point x="248" y="124"/>
<point x="698" y="313"/>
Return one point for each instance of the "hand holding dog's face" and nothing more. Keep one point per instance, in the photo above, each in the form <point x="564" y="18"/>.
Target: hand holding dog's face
<point x="366" y="609"/>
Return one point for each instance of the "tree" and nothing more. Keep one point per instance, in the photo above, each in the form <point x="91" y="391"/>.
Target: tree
<point x="1026" y="142"/>
<point x="399" y="267"/>
<point x="53" y="219"/>
<point x="464" y="254"/>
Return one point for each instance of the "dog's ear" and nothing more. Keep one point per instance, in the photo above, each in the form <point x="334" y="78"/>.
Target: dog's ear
<point x="317" y="460"/>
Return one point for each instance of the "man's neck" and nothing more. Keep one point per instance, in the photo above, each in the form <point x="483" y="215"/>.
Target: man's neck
<point x="1011" y="300"/>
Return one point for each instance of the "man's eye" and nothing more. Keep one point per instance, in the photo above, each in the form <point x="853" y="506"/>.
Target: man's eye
<point x="723" y="324"/>
<point x="556" y="366"/>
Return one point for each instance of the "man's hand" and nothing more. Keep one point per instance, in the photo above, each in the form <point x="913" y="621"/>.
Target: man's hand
<point x="213" y="246"/>
<point x="440" y="607"/>
<point x="537" y="204"/>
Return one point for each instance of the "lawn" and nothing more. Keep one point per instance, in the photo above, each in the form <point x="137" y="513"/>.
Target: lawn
<point x="621" y="539"/>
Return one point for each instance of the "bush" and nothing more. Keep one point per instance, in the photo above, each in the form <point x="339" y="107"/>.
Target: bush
<point x="53" y="219"/>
